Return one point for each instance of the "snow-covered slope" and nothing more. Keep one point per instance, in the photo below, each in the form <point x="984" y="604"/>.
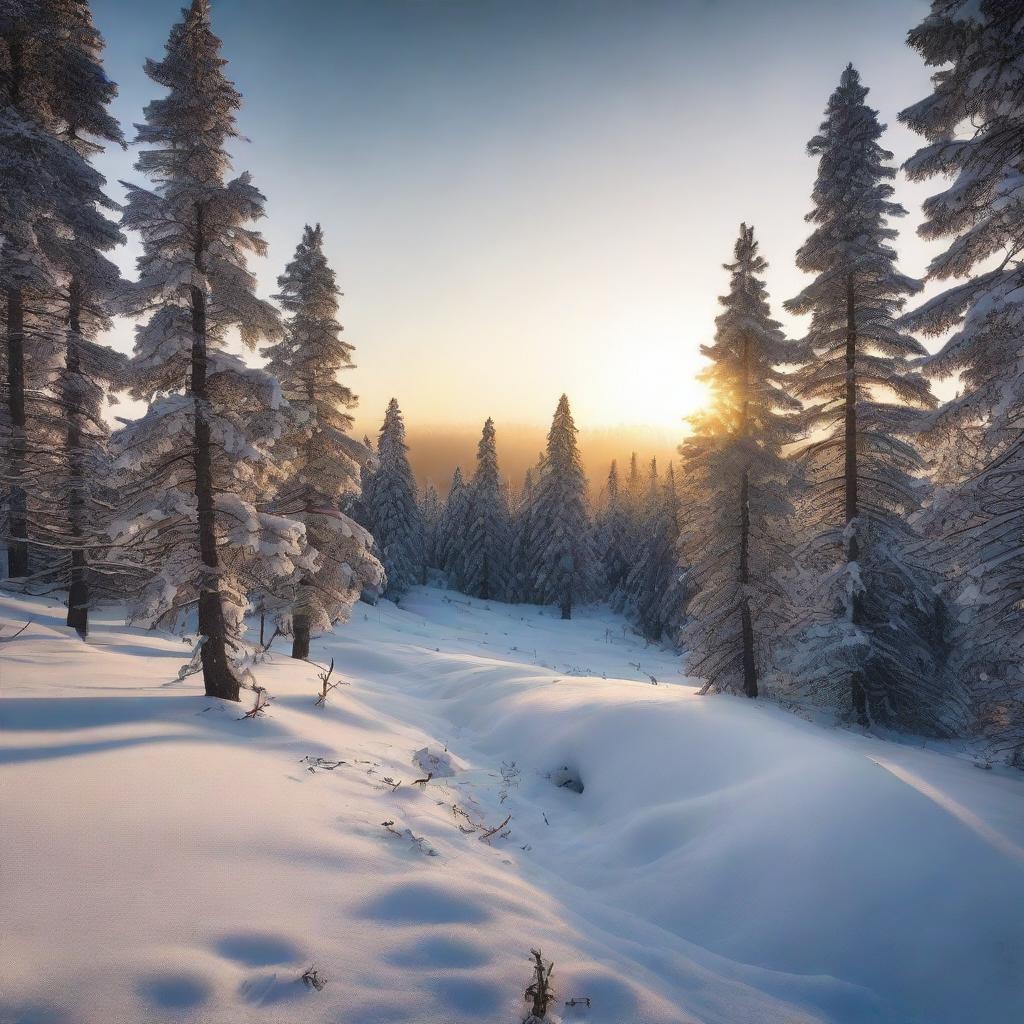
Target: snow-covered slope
<point x="162" y="859"/>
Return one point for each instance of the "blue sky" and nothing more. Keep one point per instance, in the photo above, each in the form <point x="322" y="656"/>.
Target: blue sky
<point x="523" y="198"/>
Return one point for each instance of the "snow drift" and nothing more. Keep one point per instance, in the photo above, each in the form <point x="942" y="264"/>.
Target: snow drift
<point x="720" y="861"/>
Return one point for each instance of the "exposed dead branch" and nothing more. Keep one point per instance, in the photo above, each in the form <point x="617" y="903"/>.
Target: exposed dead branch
<point x="17" y="633"/>
<point x="539" y="992"/>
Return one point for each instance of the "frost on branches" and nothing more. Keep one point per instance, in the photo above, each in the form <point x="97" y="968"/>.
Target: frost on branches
<point x="973" y="123"/>
<point x="193" y="467"/>
<point x="325" y="469"/>
<point x="564" y="567"/>
<point x="391" y="509"/>
<point x="737" y="540"/>
<point x="867" y="643"/>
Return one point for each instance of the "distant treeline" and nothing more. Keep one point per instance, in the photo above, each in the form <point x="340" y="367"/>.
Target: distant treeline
<point x="435" y="451"/>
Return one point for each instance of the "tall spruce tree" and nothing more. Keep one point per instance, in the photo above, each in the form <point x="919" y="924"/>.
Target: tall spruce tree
<point x="54" y="281"/>
<point x="485" y="553"/>
<point x="194" y="463"/>
<point x="431" y="510"/>
<point x="612" y="533"/>
<point x="867" y="644"/>
<point x="653" y="591"/>
<point x="737" y="537"/>
<point x="452" y="529"/>
<point x="393" y="514"/>
<point x="325" y="469"/>
<point x="973" y="123"/>
<point x="522" y="538"/>
<point x="565" y="568"/>
<point x="70" y="505"/>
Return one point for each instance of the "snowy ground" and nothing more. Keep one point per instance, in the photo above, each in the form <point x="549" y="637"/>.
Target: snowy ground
<point x="163" y="860"/>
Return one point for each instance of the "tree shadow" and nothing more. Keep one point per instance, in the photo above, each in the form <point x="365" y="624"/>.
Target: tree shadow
<point x="199" y="719"/>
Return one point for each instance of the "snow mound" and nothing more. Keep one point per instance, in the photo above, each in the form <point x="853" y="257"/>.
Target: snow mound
<point x="437" y="765"/>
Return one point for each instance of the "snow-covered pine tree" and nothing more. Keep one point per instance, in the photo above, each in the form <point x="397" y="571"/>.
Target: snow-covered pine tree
<point x="193" y="465"/>
<point x="431" y="511"/>
<point x="611" y="532"/>
<point x="973" y="122"/>
<point x="565" y="568"/>
<point x="452" y="529"/>
<point x="67" y="506"/>
<point x="485" y="552"/>
<point x="393" y="514"/>
<point x="53" y="97"/>
<point x="653" y="591"/>
<point x="737" y="533"/>
<point x="522" y="537"/>
<point x="867" y="641"/>
<point x="325" y="470"/>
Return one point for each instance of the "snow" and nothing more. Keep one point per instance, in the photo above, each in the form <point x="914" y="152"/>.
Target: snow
<point x="165" y="859"/>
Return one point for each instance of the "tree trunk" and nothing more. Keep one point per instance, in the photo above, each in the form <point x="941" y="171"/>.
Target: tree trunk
<point x="300" y="637"/>
<point x="858" y="693"/>
<point x="17" y="524"/>
<point x="17" y="545"/>
<point x="749" y="662"/>
<point x="746" y="619"/>
<point x="78" y="588"/>
<point x="567" y="597"/>
<point x="218" y="677"/>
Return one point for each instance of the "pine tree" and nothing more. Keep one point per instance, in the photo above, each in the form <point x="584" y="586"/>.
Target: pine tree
<point x="973" y="122"/>
<point x="612" y="534"/>
<point x="867" y="644"/>
<point x="393" y="515"/>
<point x="204" y="449"/>
<point x="452" y="530"/>
<point x="325" y="470"/>
<point x="737" y="534"/>
<point x="53" y="229"/>
<point x="522" y="544"/>
<point x="654" y="590"/>
<point x="565" y="570"/>
<point x="69" y="503"/>
<point x="431" y="511"/>
<point x="485" y="567"/>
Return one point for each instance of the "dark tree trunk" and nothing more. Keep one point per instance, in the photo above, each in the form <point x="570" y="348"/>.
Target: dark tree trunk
<point x="567" y="597"/>
<point x="747" y="625"/>
<point x="300" y="637"/>
<point x="858" y="693"/>
<point x="17" y="545"/>
<point x="78" y="588"/>
<point x="218" y="677"/>
<point x="746" y="619"/>
<point x="17" y="524"/>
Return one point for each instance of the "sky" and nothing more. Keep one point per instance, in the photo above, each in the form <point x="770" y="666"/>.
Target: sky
<point x="527" y="197"/>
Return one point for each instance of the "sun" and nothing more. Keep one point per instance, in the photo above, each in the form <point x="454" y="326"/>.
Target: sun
<point x="656" y="384"/>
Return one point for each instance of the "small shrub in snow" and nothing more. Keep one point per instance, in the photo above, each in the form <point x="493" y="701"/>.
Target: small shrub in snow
<point x="312" y="978"/>
<point x="324" y="675"/>
<point x="539" y="992"/>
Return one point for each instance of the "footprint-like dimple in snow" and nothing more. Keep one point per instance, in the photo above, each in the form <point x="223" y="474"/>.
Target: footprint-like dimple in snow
<point x="175" y="990"/>
<point x="440" y="951"/>
<point x="425" y="903"/>
<point x="257" y="949"/>
<point x="483" y="999"/>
